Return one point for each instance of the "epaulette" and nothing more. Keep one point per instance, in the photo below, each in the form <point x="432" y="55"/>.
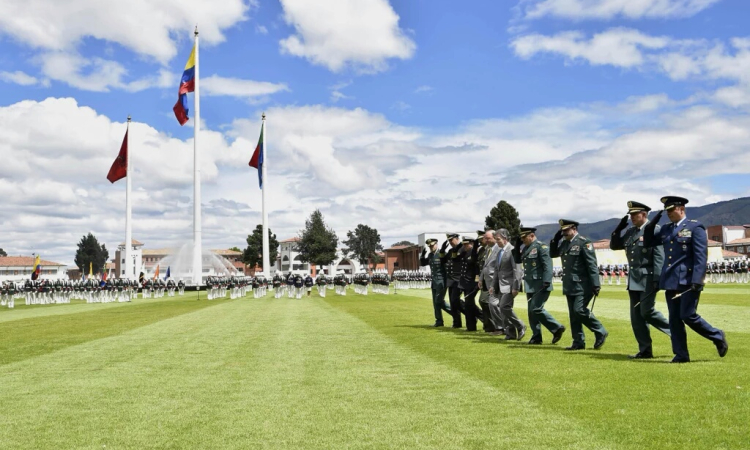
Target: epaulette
<point x="692" y="220"/>
<point x="544" y="245"/>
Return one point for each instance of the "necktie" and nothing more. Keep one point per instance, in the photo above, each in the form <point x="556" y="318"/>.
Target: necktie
<point x="499" y="255"/>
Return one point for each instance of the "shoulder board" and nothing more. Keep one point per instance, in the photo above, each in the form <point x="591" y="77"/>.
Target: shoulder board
<point x="693" y="220"/>
<point x="544" y="246"/>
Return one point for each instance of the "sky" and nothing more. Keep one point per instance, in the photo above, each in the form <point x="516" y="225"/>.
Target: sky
<point x="405" y="115"/>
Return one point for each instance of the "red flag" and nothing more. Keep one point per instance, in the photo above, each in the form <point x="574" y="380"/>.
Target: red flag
<point x="119" y="169"/>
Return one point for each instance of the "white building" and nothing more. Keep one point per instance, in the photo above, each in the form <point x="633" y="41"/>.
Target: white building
<point x="136" y="254"/>
<point x="18" y="268"/>
<point x="288" y="260"/>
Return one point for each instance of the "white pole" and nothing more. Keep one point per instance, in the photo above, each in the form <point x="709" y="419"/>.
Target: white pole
<point x="128" y="224"/>
<point x="266" y="254"/>
<point x="197" y="250"/>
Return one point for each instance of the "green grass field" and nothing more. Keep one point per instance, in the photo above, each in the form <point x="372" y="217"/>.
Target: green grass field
<point x="358" y="372"/>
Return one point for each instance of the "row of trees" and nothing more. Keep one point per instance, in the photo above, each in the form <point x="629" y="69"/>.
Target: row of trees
<point x="318" y="242"/>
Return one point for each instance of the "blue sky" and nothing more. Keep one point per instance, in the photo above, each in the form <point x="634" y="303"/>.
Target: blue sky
<point x="405" y="115"/>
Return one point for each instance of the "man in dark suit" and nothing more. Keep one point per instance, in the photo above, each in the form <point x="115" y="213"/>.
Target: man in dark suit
<point x="645" y="265"/>
<point x="506" y="283"/>
<point x="682" y="276"/>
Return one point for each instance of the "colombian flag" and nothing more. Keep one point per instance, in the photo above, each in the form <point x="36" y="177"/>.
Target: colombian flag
<point x="37" y="268"/>
<point x="187" y="84"/>
<point x="257" y="159"/>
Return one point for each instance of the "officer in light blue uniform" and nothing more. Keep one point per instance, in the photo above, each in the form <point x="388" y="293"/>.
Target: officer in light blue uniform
<point x="682" y="275"/>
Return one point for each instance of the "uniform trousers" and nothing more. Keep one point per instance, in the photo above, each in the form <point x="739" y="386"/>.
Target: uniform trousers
<point x="580" y="316"/>
<point x="438" y="302"/>
<point x="512" y="324"/>
<point x="454" y="296"/>
<point x="643" y="315"/>
<point x="492" y="320"/>
<point x="471" y="311"/>
<point x="538" y="316"/>
<point x="683" y="311"/>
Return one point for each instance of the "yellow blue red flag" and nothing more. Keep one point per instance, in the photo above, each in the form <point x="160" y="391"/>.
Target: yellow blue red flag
<point x="187" y="84"/>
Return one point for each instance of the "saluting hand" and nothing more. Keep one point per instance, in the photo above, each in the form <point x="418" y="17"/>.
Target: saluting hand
<point x="657" y="217"/>
<point x="623" y="224"/>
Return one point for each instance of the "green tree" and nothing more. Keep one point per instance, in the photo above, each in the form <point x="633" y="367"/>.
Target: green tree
<point x="363" y="244"/>
<point x="317" y="242"/>
<point x="253" y="254"/>
<point x="235" y="249"/>
<point x="504" y="215"/>
<point x="91" y="253"/>
<point x="2" y="252"/>
<point x="406" y="243"/>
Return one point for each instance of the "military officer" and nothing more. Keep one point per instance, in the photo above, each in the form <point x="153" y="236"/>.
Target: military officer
<point x="643" y="277"/>
<point x="682" y="275"/>
<point x="580" y="282"/>
<point x="537" y="280"/>
<point x="453" y="258"/>
<point x="437" y="269"/>
<point x="469" y="282"/>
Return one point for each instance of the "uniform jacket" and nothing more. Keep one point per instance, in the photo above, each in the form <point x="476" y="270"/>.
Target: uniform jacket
<point x="537" y="267"/>
<point x="453" y="258"/>
<point x="437" y="267"/>
<point x="580" y="269"/>
<point x="508" y="274"/>
<point x="644" y="262"/>
<point x="469" y="268"/>
<point x="685" y="253"/>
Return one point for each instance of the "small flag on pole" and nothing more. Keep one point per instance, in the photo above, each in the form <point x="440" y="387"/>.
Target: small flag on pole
<point x="187" y="84"/>
<point x="257" y="159"/>
<point x="91" y="270"/>
<point x="119" y="169"/>
<point x="156" y="274"/>
<point x="167" y="277"/>
<point x="37" y="268"/>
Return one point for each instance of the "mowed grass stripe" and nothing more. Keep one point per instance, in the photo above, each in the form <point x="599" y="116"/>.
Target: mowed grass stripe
<point x="33" y="336"/>
<point x="264" y="374"/>
<point x="628" y="404"/>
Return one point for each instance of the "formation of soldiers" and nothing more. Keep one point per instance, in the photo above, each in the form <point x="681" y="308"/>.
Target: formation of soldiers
<point x="381" y="283"/>
<point x="411" y="279"/>
<point x="361" y="283"/>
<point x="729" y="271"/>
<point x="50" y="292"/>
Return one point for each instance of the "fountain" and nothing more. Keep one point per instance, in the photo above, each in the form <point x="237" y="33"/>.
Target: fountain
<point x="181" y="265"/>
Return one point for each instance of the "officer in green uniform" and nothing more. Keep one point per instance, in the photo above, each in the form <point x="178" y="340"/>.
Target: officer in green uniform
<point x="437" y="268"/>
<point x="580" y="282"/>
<point x="645" y="265"/>
<point x="537" y="278"/>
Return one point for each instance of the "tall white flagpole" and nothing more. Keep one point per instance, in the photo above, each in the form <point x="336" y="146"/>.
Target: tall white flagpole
<point x="128" y="224"/>
<point x="197" y="250"/>
<point x="266" y="254"/>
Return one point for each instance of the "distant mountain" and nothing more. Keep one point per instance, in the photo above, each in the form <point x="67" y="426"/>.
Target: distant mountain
<point x="732" y="212"/>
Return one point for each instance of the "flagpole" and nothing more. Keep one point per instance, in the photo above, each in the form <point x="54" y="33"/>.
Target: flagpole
<point x="266" y="255"/>
<point x="128" y="210"/>
<point x="197" y="250"/>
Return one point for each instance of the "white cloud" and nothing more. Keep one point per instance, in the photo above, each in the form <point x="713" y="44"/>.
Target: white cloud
<point x="340" y="34"/>
<point x="620" y="47"/>
<point x="610" y="9"/>
<point x="18" y="77"/>
<point x="423" y="89"/>
<point x="336" y="93"/>
<point x="357" y="167"/>
<point x="260" y="29"/>
<point x="235" y="87"/>
<point x="145" y="27"/>
<point x="97" y="74"/>
<point x="626" y="48"/>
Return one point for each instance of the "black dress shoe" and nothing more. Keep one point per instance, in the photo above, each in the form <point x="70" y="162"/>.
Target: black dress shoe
<point x="509" y="338"/>
<point x="557" y="335"/>
<point x="576" y="347"/>
<point x="456" y="326"/>
<point x="722" y="346"/>
<point x="641" y="355"/>
<point x="599" y="342"/>
<point x="535" y="342"/>
<point x="437" y="325"/>
<point x="677" y="360"/>
<point x="521" y="334"/>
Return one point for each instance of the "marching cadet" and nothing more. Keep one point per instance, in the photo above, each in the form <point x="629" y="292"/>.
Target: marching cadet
<point x="468" y="282"/>
<point x="290" y="285"/>
<point x="276" y="286"/>
<point x="645" y="265"/>
<point x="682" y="276"/>
<point x="537" y="278"/>
<point x="309" y="283"/>
<point x="299" y="283"/>
<point x="437" y="270"/>
<point x="321" y="281"/>
<point x="580" y="282"/>
<point x="181" y="287"/>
